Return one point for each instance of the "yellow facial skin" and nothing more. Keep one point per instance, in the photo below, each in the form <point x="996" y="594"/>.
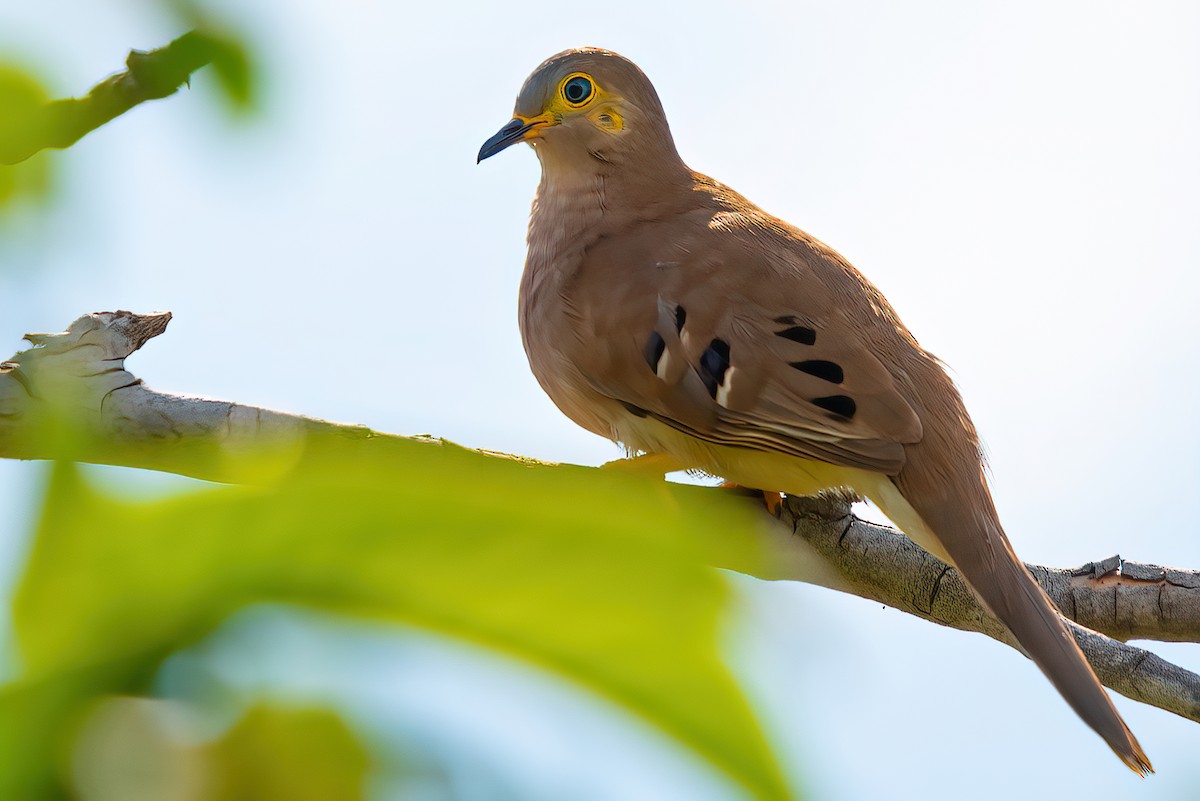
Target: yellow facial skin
<point x="599" y="106"/>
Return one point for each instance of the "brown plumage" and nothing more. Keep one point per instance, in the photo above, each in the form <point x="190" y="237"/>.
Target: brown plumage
<point x="666" y="312"/>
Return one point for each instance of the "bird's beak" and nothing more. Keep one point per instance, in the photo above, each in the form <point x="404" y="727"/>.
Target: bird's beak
<point x="518" y="129"/>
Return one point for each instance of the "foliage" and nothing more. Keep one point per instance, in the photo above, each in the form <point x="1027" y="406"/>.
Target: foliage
<point x="30" y="122"/>
<point x="600" y="579"/>
<point x="21" y="95"/>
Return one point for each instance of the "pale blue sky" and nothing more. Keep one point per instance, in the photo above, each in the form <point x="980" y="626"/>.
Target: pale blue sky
<point x="1021" y="179"/>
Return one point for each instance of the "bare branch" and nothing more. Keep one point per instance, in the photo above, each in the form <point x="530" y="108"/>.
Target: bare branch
<point x="76" y="382"/>
<point x="819" y="541"/>
<point x="70" y="397"/>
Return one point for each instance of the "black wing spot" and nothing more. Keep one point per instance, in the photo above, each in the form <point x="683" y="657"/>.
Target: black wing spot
<point x="636" y="411"/>
<point x="714" y="363"/>
<point x="798" y="333"/>
<point x="654" y="350"/>
<point x="825" y="370"/>
<point x="840" y="405"/>
<point x="680" y="318"/>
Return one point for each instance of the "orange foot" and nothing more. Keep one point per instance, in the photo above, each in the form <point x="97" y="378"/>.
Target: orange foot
<point x="773" y="500"/>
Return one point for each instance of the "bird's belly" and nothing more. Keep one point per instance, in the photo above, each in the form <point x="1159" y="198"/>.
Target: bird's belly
<point x="765" y="470"/>
<point x="571" y="392"/>
<point x="777" y="472"/>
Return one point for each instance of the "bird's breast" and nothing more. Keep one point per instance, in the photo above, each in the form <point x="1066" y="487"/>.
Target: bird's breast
<point x="555" y="335"/>
<point x="582" y="312"/>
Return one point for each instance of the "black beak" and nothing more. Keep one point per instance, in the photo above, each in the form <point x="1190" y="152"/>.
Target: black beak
<point x="510" y="134"/>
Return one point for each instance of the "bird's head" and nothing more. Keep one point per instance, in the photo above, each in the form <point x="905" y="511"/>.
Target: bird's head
<point x="586" y="108"/>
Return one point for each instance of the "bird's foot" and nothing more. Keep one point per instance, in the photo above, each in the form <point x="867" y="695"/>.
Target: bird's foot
<point x="773" y="500"/>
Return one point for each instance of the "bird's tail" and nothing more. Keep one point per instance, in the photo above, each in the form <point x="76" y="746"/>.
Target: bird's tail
<point x="970" y="538"/>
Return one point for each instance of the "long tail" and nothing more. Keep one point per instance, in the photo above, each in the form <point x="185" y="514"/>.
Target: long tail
<point x="968" y="536"/>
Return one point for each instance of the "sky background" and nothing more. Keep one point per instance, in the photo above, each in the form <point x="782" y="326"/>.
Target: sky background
<point x="1022" y="180"/>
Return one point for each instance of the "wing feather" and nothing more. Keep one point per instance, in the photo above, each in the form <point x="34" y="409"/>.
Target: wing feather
<point x="759" y="346"/>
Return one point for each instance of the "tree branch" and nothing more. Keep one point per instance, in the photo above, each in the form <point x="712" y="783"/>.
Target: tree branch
<point x="148" y="76"/>
<point x="819" y="541"/>
<point x="70" y="396"/>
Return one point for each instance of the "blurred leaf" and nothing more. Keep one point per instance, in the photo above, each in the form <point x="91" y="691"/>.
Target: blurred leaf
<point x="598" y="578"/>
<point x="230" y="57"/>
<point x="232" y="65"/>
<point x="27" y="127"/>
<point x="20" y="96"/>
<point x="134" y="749"/>
<point x="276" y="754"/>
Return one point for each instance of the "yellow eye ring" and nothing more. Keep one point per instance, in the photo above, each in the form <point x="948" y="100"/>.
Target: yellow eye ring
<point x="578" y="89"/>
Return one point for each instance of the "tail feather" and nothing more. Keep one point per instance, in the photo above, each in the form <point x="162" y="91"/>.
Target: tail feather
<point x="976" y="545"/>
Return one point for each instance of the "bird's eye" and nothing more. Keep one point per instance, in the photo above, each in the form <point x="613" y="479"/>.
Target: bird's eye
<point x="578" y="90"/>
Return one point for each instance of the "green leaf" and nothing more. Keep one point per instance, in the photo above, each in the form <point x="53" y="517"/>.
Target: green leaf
<point x="234" y="74"/>
<point x="231" y="58"/>
<point x="20" y="97"/>
<point x="258" y="759"/>
<point x="600" y="579"/>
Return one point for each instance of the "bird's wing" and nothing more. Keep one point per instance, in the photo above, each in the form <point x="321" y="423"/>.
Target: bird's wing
<point x="740" y="334"/>
<point x="742" y="331"/>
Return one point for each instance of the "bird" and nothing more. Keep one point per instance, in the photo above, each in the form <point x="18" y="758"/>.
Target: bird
<point x="663" y="310"/>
